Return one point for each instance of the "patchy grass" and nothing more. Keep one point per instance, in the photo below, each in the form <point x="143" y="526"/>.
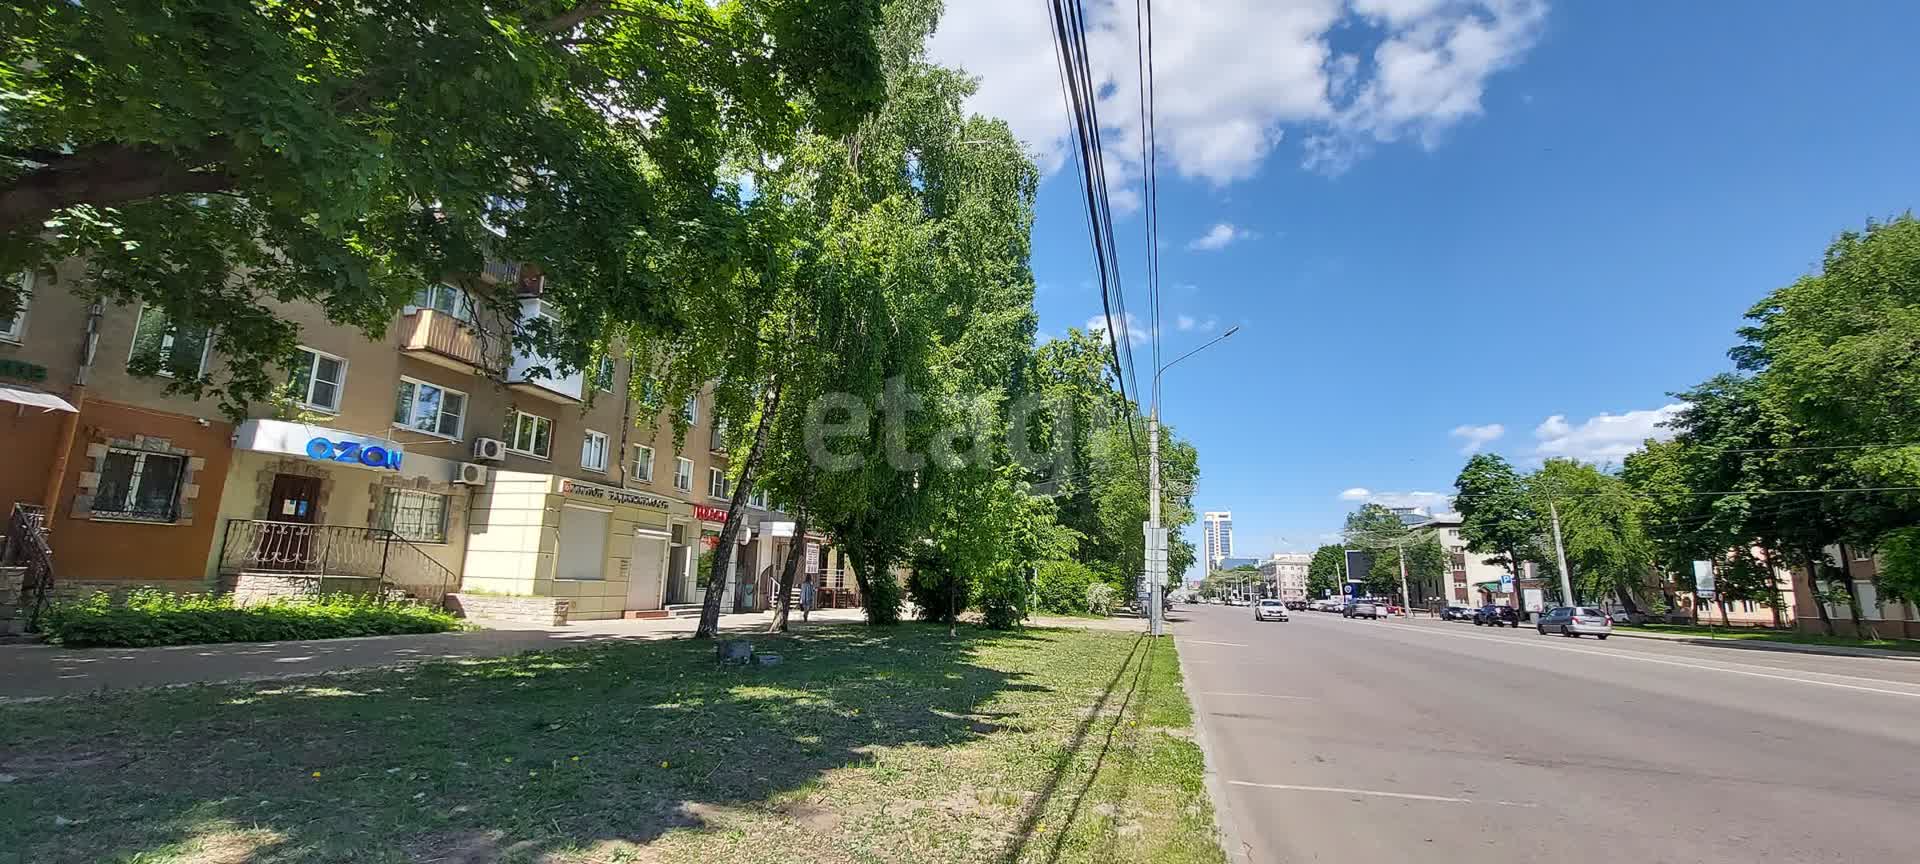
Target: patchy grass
<point x="1754" y="633"/>
<point x="899" y="745"/>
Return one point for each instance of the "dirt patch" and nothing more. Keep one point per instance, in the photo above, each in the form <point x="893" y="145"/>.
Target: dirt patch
<point x="813" y="816"/>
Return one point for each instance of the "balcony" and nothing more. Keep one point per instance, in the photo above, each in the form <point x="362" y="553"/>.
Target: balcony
<point x="442" y="339"/>
<point x="540" y="376"/>
<point x="494" y="271"/>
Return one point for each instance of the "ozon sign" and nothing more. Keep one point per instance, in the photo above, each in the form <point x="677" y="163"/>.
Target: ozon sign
<point x="320" y="443"/>
<point x="370" y="455"/>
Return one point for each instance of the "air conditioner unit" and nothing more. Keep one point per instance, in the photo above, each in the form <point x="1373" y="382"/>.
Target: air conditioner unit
<point x="472" y="475"/>
<point x="489" y="449"/>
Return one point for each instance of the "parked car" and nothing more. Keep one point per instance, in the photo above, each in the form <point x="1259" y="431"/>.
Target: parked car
<point x="1576" y="621"/>
<point x="1297" y="605"/>
<point x="1269" y="610"/>
<point x="1456" y="613"/>
<point x="1491" y="615"/>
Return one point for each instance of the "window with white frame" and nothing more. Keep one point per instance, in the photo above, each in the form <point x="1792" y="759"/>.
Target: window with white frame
<point x="603" y="376"/>
<point x="318" y="378"/>
<point x="757" y="498"/>
<point x="445" y="299"/>
<point x="642" y="464"/>
<point x="136" y="484"/>
<point x="415" y="515"/>
<point x="164" y="347"/>
<point x="15" y="328"/>
<point x="532" y="435"/>
<point x="593" y="451"/>
<point x="429" y="408"/>
<point x="683" y="474"/>
<point x="717" y="485"/>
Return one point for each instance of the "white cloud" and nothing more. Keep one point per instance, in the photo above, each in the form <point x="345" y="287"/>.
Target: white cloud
<point x="1232" y="78"/>
<point x="1183" y="322"/>
<point x="1220" y="236"/>
<point x="1473" y="438"/>
<point x="1137" y="331"/>
<point x="1431" y="501"/>
<point x="1603" y="438"/>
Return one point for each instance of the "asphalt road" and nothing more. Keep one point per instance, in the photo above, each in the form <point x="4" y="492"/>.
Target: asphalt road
<point x="1360" y="741"/>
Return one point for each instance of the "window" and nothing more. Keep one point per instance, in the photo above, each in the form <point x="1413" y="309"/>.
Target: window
<point x="16" y="327"/>
<point x="317" y="379"/>
<point x="642" y="463"/>
<point x="691" y="410"/>
<point x="683" y="474"/>
<point x="532" y="435"/>
<point x="445" y="299"/>
<point x="429" y="408"/>
<point x="157" y="341"/>
<point x="717" y="485"/>
<point x="593" y="451"/>
<point x="757" y="498"/>
<point x="603" y="377"/>
<point x="135" y="484"/>
<point x="417" y="516"/>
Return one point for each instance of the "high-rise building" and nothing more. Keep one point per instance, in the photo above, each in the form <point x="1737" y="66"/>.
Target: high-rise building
<point x="1219" y="536"/>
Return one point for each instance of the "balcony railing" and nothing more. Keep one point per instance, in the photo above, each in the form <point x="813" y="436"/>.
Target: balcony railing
<point x="335" y="556"/>
<point x="500" y="272"/>
<point x="441" y="338"/>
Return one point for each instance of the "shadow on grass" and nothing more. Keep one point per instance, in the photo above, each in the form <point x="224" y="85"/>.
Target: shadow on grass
<point x="488" y="759"/>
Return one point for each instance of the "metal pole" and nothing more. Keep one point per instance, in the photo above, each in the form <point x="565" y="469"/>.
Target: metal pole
<point x="1154" y="574"/>
<point x="1559" y="553"/>
<point x="1406" y="600"/>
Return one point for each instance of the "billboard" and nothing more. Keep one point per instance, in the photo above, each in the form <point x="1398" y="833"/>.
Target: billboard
<point x="1359" y="561"/>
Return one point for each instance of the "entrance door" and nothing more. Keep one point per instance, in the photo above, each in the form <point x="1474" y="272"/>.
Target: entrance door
<point x="286" y="540"/>
<point x="746" y="578"/>
<point x="646" y="569"/>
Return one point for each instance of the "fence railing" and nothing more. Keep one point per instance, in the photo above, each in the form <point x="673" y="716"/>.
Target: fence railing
<point x="386" y="560"/>
<point x="26" y="546"/>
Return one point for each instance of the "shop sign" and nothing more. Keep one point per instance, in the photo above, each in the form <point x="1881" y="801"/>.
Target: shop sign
<point x="319" y="443"/>
<point x="370" y="455"/>
<point x="611" y="495"/>
<point x="710" y="514"/>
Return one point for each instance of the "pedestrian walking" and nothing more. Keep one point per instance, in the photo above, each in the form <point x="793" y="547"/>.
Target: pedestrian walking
<point x="806" y="597"/>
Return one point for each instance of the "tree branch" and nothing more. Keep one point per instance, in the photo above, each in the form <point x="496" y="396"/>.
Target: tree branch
<point x="107" y="174"/>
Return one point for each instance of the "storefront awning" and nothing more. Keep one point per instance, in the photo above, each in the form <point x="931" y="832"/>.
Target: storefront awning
<point x="35" y="399"/>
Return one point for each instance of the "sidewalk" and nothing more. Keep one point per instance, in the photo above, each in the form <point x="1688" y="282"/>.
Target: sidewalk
<point x="37" y="671"/>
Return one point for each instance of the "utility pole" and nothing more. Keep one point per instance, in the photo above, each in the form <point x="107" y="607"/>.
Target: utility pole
<point x="1560" y="554"/>
<point x="1406" y="600"/>
<point x="1156" y="535"/>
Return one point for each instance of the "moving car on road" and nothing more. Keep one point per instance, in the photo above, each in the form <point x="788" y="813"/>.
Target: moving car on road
<point x="1496" y="616"/>
<point x="1456" y="613"/>
<point x="1362" y="609"/>
<point x="1269" y="610"/>
<point x="1576" y="621"/>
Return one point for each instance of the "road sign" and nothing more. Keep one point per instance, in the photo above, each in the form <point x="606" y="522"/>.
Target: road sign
<point x="1703" y="580"/>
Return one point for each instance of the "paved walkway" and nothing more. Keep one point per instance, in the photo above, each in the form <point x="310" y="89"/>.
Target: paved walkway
<point x="30" y="671"/>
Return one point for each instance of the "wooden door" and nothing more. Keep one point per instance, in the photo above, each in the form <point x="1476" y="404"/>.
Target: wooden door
<point x="286" y="539"/>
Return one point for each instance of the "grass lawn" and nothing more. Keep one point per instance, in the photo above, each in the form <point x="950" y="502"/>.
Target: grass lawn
<point x="894" y="745"/>
<point x="1771" y="636"/>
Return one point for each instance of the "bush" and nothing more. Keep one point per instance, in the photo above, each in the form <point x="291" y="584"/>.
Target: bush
<point x="1003" y="598"/>
<point x="881" y="598"/>
<point x="938" y="593"/>
<point x="1062" y="586"/>
<point x="150" y="617"/>
<point x="1100" y="597"/>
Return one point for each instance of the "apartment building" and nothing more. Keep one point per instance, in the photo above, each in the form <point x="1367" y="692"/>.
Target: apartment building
<point x="1287" y="573"/>
<point x="439" y="458"/>
<point x="1470" y="580"/>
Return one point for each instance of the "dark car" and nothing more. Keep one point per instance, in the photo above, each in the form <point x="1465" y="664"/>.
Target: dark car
<point x="1496" y="616"/>
<point x="1456" y="613"/>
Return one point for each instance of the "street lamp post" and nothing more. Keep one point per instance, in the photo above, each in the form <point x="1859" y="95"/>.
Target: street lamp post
<point x="1157" y="560"/>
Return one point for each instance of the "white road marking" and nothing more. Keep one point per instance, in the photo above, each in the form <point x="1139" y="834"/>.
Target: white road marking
<point x="1665" y="662"/>
<point x="1260" y="695"/>
<point x="1373" y="793"/>
<point x="1205" y="642"/>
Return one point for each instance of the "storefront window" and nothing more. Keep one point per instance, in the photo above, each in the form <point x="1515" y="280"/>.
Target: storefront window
<point x="138" y="485"/>
<point x="414" y="515"/>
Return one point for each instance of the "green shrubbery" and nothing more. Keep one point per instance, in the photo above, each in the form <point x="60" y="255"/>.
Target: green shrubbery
<point x="1061" y="587"/>
<point x="151" y="617"/>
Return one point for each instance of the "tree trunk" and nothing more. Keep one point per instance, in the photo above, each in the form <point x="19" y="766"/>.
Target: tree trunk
<point x="1724" y="622"/>
<point x="1819" y="596"/>
<point x="724" y="551"/>
<point x="1861" y="629"/>
<point x="788" y="572"/>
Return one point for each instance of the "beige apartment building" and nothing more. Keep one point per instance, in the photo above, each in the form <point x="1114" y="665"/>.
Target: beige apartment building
<point x="437" y="459"/>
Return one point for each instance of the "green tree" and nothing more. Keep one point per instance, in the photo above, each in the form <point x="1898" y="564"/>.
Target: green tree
<point x="1060" y="586"/>
<point x="340" y="154"/>
<point x="1326" y="573"/>
<point x="1120" y="501"/>
<point x="1607" y="547"/>
<point x="1497" y="516"/>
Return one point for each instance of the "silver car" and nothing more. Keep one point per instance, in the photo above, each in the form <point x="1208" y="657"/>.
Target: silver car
<point x="1270" y="610"/>
<point x="1576" y="621"/>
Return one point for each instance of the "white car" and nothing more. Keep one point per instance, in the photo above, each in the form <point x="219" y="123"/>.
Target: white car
<point x="1270" y="610"/>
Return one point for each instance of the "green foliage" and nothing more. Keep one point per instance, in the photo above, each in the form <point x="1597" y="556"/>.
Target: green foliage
<point x="150" y="617"/>
<point x="1101" y="598"/>
<point x="938" y="592"/>
<point x="1498" y="519"/>
<point x="1900" y="565"/>
<point x="1002" y="597"/>
<point x="880" y="596"/>
<point x="1326" y="573"/>
<point x="1607" y="547"/>
<point x="341" y="154"/>
<point x="1060" y="586"/>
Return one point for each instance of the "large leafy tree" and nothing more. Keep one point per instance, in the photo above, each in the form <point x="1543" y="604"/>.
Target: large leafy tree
<point x="218" y="158"/>
<point x="1607" y="547"/>
<point x="1327" y="571"/>
<point x="1497" y="516"/>
<point x="1117" y="547"/>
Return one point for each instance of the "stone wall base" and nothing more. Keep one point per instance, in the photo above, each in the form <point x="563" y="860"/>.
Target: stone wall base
<point x="545" y="611"/>
<point x="248" y="588"/>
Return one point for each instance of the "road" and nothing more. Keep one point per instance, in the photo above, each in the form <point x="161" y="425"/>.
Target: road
<point x="1360" y="741"/>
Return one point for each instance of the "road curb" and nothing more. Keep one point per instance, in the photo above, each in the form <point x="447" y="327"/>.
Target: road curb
<point x="1790" y="647"/>
<point x="1229" y="837"/>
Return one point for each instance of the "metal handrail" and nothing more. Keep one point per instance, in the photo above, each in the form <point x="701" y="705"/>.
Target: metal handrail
<point x="27" y="543"/>
<point x="299" y="549"/>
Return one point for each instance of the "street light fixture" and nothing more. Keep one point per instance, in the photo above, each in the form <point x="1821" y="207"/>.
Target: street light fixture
<point x="1156" y="537"/>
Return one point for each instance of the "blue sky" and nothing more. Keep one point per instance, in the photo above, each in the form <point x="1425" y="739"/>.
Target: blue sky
<point x="1454" y="215"/>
